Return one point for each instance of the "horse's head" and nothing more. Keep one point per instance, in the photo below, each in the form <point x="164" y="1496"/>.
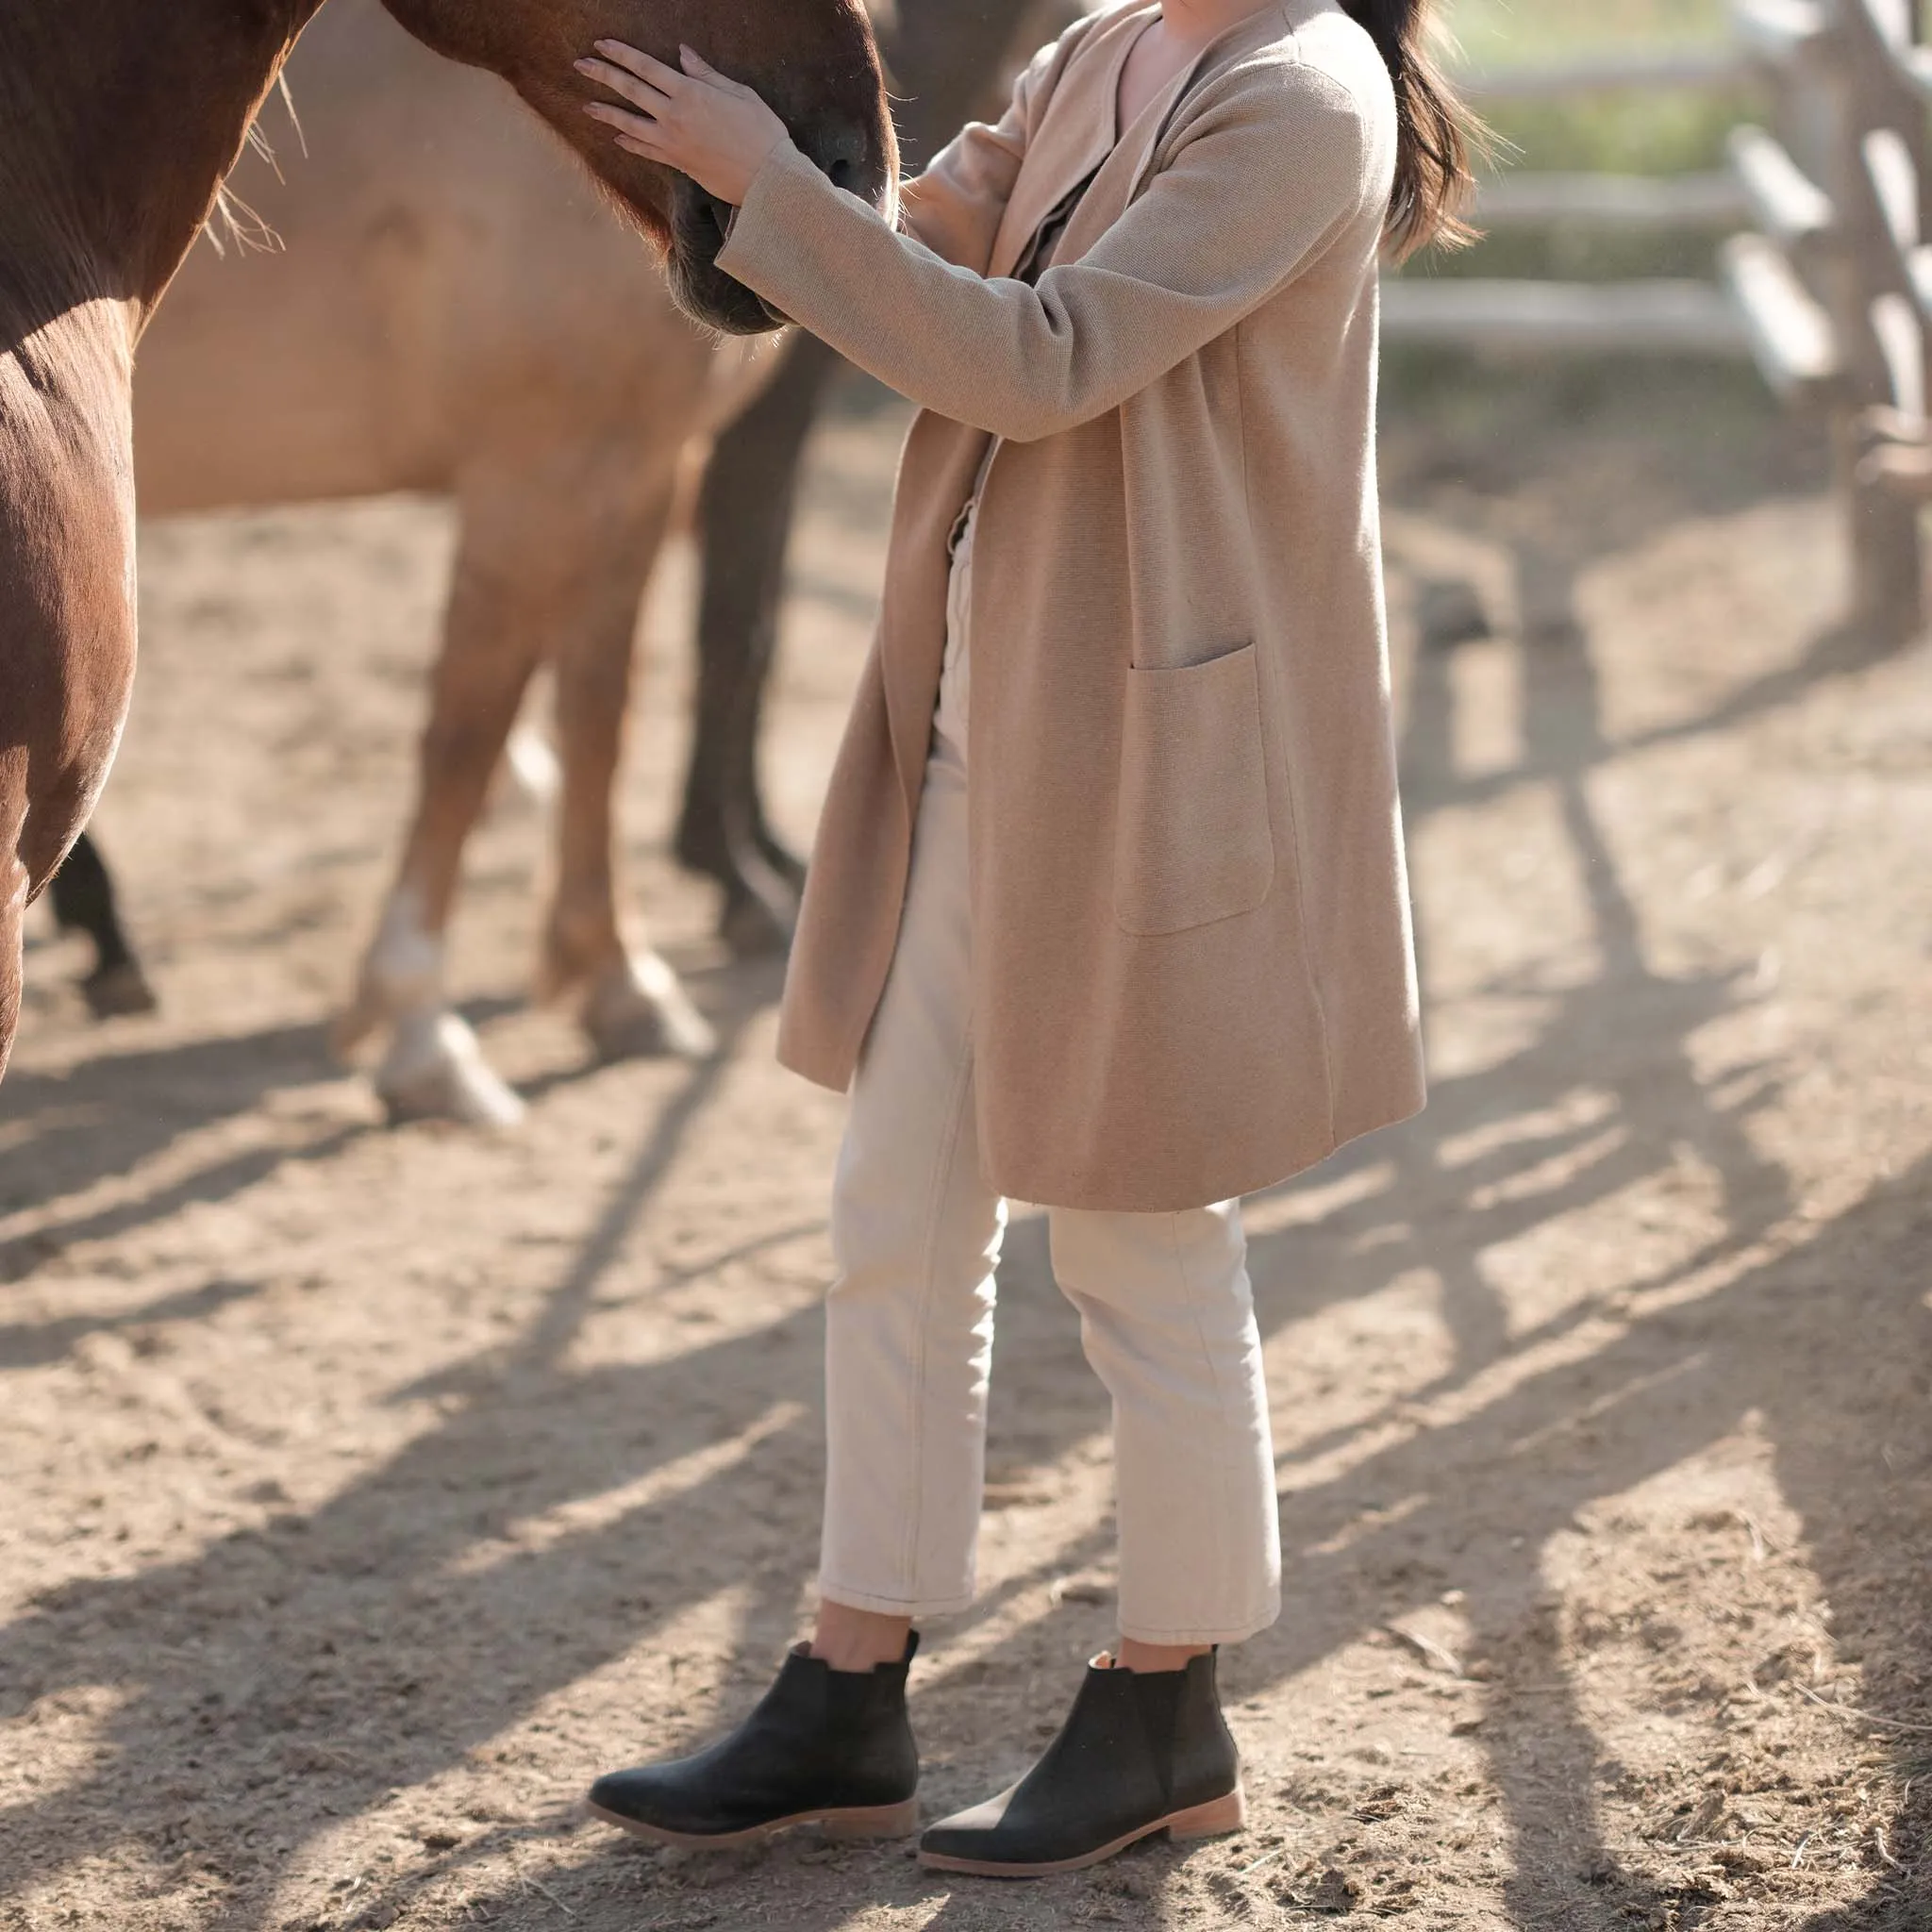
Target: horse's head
<point x="814" y="61"/>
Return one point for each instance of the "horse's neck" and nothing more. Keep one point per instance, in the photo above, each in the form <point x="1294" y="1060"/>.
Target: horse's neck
<point x="118" y="121"/>
<point x="946" y="57"/>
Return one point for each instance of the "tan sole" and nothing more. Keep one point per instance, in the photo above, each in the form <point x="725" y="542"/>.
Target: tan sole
<point x="876" y="1821"/>
<point x="1200" y="1820"/>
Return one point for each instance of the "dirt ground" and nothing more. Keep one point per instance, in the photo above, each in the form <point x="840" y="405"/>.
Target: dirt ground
<point x="367" y="1491"/>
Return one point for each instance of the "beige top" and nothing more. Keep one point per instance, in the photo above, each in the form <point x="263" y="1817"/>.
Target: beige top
<point x="1191" y="959"/>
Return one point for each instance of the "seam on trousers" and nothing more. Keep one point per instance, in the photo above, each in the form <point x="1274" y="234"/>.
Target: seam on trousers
<point x="943" y="1173"/>
<point x="1211" y="1633"/>
<point x="895" y="1606"/>
<point x="1223" y="1545"/>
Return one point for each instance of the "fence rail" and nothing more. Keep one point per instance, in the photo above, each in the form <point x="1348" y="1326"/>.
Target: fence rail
<point x="1652" y="318"/>
<point x="1695" y="72"/>
<point x="1612" y="201"/>
<point x="1827" y="288"/>
<point x="1528" y="317"/>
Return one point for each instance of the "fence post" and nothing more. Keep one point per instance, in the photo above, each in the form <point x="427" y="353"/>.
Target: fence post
<point x="1873" y="307"/>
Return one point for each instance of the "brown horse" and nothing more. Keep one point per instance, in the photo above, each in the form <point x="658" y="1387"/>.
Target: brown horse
<point x="454" y="310"/>
<point x="118" y="123"/>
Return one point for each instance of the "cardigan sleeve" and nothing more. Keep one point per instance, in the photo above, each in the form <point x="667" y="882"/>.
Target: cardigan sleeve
<point x="1272" y="165"/>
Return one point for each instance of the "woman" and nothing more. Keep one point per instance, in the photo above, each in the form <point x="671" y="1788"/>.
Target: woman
<point x="1107" y="909"/>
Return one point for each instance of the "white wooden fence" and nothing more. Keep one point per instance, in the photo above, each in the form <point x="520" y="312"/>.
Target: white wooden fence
<point x="1830" y="289"/>
<point x="1637" y="317"/>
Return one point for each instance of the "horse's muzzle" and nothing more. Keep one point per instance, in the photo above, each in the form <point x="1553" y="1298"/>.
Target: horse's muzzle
<point x="699" y="224"/>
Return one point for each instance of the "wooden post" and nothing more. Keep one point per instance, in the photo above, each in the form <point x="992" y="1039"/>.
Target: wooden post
<point x="1873" y="305"/>
<point x="1833" y="296"/>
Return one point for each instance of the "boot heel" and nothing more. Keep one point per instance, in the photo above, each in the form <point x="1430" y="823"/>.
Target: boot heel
<point x="1207" y="1820"/>
<point x="876" y="1821"/>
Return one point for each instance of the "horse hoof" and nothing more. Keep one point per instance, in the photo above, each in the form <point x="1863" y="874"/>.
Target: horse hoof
<point x="114" y="991"/>
<point x="781" y="858"/>
<point x="640" y="1010"/>
<point x="752" y="929"/>
<point x="435" y="1071"/>
<point x="761" y="899"/>
<point x="354" y="1024"/>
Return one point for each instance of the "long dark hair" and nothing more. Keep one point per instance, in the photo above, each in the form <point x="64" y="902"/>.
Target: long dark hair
<point x="1438" y="136"/>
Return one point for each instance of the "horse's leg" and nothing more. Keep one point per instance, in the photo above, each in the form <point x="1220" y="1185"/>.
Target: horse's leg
<point x="84" y="901"/>
<point x="494" y="635"/>
<point x="67" y="621"/>
<point x="631" y="1001"/>
<point x="13" y="892"/>
<point x="744" y="523"/>
<point x="784" y="437"/>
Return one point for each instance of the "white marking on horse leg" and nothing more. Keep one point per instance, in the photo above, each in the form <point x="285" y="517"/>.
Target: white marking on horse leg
<point x="401" y="974"/>
<point x="534" y="765"/>
<point x="434" y="1068"/>
<point x="405" y="960"/>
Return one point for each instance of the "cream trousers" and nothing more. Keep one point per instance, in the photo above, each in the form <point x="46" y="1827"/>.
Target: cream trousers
<point x="1166" y="1313"/>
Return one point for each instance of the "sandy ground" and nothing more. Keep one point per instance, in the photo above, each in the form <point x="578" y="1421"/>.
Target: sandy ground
<point x="366" y="1491"/>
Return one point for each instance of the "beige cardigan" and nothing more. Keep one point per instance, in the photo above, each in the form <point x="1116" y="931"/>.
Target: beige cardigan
<point x="1193" y="971"/>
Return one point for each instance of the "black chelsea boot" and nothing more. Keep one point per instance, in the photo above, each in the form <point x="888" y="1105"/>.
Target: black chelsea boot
<point x="1140" y="1752"/>
<point x="825" y="1747"/>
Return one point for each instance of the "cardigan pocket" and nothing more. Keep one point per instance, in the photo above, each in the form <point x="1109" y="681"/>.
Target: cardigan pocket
<point x="1191" y="842"/>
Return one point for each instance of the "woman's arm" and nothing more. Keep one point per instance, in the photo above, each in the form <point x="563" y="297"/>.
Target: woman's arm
<point x="1273" y="163"/>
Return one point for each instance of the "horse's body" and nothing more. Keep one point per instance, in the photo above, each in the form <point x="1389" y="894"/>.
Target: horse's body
<point x="117" y="124"/>
<point x="454" y="309"/>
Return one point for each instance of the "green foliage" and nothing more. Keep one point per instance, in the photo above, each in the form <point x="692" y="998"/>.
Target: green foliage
<point x="1659" y="131"/>
<point x="1497" y="33"/>
<point x="1628" y="132"/>
<point x="1579" y="254"/>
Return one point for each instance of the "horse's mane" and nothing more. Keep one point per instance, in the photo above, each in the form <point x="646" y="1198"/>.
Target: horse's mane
<point x="231" y="219"/>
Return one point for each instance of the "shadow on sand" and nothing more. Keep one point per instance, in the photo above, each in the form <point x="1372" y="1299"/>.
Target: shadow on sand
<point x="1820" y="1339"/>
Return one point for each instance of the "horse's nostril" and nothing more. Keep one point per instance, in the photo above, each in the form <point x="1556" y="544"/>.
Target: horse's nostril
<point x="841" y="154"/>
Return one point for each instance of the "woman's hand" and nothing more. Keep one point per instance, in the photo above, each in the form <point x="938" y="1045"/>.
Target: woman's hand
<point x="689" y="117"/>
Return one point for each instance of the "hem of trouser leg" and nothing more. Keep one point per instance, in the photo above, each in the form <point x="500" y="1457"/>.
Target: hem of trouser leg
<point x="894" y="1606"/>
<point x="1206" y="1633"/>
